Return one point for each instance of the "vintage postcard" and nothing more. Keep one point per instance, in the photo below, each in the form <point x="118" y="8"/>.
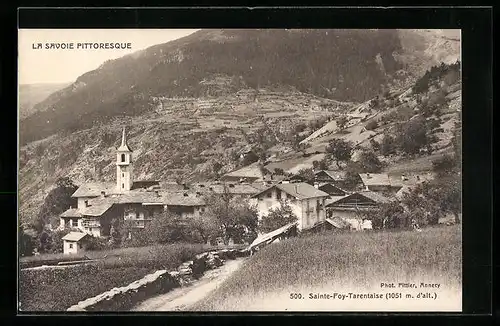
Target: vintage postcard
<point x="240" y="170"/>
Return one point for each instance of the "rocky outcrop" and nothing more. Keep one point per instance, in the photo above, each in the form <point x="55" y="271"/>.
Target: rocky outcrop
<point x="159" y="282"/>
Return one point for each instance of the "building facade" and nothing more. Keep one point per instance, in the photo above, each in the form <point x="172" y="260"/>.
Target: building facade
<point x="305" y="201"/>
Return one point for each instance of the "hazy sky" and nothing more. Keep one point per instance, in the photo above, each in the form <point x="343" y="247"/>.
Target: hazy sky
<point x="65" y="65"/>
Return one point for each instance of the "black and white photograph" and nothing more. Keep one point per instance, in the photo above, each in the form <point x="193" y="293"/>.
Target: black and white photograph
<point x="212" y="170"/>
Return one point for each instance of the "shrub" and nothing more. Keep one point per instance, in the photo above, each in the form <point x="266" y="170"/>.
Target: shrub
<point x="277" y="217"/>
<point x="388" y="145"/>
<point x="371" y="125"/>
<point x="369" y="162"/>
<point x="412" y="137"/>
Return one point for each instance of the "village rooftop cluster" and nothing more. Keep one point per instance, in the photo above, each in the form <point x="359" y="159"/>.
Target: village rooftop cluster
<point x="325" y="203"/>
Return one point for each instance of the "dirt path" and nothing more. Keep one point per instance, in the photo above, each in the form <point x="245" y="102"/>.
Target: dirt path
<point x="184" y="297"/>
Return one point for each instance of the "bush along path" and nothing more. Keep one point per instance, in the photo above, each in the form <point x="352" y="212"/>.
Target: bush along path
<point x="160" y="282"/>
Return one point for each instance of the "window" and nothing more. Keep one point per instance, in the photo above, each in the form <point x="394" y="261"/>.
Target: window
<point x="123" y="175"/>
<point x="70" y="246"/>
<point x="123" y="185"/>
<point x="123" y="157"/>
<point x="278" y="193"/>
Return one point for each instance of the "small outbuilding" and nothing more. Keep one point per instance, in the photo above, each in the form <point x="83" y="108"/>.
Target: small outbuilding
<point x="74" y="242"/>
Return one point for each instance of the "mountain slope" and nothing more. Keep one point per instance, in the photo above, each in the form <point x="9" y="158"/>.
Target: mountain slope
<point x="31" y="94"/>
<point x="340" y="64"/>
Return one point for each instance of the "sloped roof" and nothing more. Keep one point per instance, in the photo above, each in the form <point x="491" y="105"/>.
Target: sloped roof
<point x="142" y="184"/>
<point x="74" y="236"/>
<point x="333" y="199"/>
<point x="98" y="206"/>
<point x="179" y="199"/>
<point x="335" y="175"/>
<point x="250" y="171"/>
<point x="218" y="188"/>
<point x="376" y="197"/>
<point x="72" y="212"/>
<point x="94" y="189"/>
<point x="299" y="190"/>
<point x="371" y="195"/>
<point x="337" y="222"/>
<point x="410" y="180"/>
<point x="260" y="186"/>
<point x="268" y="236"/>
<point x="375" y="179"/>
<point x="324" y="186"/>
<point x="138" y="197"/>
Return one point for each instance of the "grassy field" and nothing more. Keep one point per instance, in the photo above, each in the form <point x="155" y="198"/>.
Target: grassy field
<point x="58" y="289"/>
<point x="336" y="262"/>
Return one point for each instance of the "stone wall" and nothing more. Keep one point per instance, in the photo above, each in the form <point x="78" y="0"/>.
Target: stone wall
<point x="159" y="282"/>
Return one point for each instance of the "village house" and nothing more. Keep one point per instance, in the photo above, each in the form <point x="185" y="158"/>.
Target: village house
<point x="306" y="202"/>
<point x="74" y="242"/>
<point x="337" y="178"/>
<point x="242" y="190"/>
<point x="331" y="189"/>
<point x="99" y="203"/>
<point x="355" y="208"/>
<point x="250" y="173"/>
<point x="379" y="182"/>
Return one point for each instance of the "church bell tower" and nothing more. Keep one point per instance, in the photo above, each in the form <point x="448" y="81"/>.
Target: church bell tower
<point x="124" y="166"/>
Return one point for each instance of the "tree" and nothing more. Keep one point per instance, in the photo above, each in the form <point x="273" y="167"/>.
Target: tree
<point x="388" y="145"/>
<point x="279" y="171"/>
<point x="277" y="217"/>
<point x="352" y="178"/>
<point x="57" y="201"/>
<point x="216" y="167"/>
<point x="166" y="227"/>
<point x="340" y="150"/>
<point x="451" y="196"/>
<point x="371" y="125"/>
<point x="369" y="162"/>
<point x="389" y="215"/>
<point x="374" y="144"/>
<point x="205" y="226"/>
<point x="250" y="158"/>
<point x="232" y="215"/>
<point x="444" y="165"/>
<point x="306" y="174"/>
<point x="26" y="244"/>
<point x="341" y="122"/>
<point x="413" y="136"/>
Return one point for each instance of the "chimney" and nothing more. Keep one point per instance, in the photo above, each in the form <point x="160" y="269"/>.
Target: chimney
<point x="403" y="177"/>
<point x="157" y="193"/>
<point x="368" y="176"/>
<point x="103" y="194"/>
<point x="186" y="194"/>
<point x="418" y="178"/>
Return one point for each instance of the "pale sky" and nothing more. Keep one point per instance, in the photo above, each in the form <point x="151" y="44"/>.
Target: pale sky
<point x="65" y="65"/>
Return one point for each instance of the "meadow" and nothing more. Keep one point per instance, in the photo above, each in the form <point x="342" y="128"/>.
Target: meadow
<point x="336" y="261"/>
<point x="58" y="289"/>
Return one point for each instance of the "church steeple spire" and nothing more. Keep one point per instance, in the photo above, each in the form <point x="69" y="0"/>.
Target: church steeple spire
<point x="124" y="171"/>
<point x="124" y="146"/>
